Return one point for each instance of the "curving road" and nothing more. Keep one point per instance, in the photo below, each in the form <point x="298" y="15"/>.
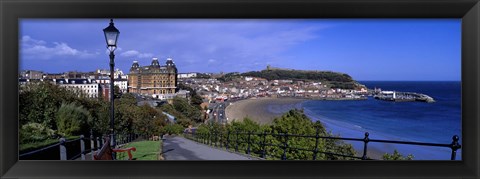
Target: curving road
<point x="179" y="148"/>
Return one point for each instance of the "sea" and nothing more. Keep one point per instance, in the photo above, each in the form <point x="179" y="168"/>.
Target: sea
<point x="401" y="121"/>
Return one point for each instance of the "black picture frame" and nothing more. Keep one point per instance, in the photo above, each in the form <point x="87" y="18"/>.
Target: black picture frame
<point x="467" y="10"/>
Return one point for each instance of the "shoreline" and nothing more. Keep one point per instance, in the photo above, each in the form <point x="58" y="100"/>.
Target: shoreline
<point x="261" y="110"/>
<point x="264" y="110"/>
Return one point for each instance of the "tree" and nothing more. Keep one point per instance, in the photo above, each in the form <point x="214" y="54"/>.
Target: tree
<point x="292" y="122"/>
<point x="296" y="122"/>
<point x="71" y="119"/>
<point x="38" y="103"/>
<point x="116" y="91"/>
<point x="181" y="105"/>
<point x="196" y="100"/>
<point x="396" y="156"/>
<point x="173" y="129"/>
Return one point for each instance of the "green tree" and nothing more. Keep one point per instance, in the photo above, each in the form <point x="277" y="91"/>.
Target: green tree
<point x="71" y="119"/>
<point x="116" y="91"/>
<point x="396" y="156"/>
<point x="174" y="129"/>
<point x="296" y="122"/>
<point x="39" y="102"/>
<point x="293" y="122"/>
<point x="196" y="100"/>
<point x="181" y="105"/>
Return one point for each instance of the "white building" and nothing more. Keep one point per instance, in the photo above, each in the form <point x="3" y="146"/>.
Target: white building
<point x="116" y="73"/>
<point x="186" y="75"/>
<point x="90" y="88"/>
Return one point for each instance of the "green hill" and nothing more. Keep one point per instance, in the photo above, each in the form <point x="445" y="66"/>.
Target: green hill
<point x="332" y="79"/>
<point x="300" y="75"/>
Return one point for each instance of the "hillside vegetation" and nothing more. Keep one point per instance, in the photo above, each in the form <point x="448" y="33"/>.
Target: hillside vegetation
<point x="300" y="74"/>
<point x="332" y="79"/>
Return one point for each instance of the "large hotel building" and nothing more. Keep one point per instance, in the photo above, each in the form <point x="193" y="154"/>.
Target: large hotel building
<point x="153" y="80"/>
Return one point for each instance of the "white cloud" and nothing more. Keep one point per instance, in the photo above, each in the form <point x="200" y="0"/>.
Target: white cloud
<point x="130" y="53"/>
<point x="225" y="43"/>
<point x="137" y="54"/>
<point x="40" y="49"/>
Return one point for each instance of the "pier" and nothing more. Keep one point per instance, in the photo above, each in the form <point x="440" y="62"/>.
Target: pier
<point x="403" y="96"/>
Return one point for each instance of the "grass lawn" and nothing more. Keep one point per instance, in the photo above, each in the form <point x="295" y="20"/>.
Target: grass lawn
<point x="146" y="150"/>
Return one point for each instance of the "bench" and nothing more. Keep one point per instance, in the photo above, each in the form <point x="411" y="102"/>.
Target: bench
<point x="106" y="151"/>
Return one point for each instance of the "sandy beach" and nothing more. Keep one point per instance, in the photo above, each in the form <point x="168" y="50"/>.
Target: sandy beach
<point x="261" y="110"/>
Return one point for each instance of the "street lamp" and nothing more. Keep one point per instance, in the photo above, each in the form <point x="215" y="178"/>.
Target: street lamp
<point x="111" y="37"/>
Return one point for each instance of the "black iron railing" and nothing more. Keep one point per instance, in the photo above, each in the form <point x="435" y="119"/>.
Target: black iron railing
<point x="76" y="148"/>
<point x="241" y="140"/>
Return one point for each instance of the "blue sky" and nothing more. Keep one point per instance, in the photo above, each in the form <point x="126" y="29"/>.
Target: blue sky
<point x="367" y="49"/>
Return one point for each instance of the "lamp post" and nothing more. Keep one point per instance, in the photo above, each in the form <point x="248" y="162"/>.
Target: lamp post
<point x="111" y="37"/>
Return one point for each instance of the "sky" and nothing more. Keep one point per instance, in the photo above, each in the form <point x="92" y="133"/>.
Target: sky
<point x="366" y="49"/>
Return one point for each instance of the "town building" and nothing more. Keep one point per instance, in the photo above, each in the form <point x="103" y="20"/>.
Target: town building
<point x="31" y="74"/>
<point x="87" y="87"/>
<point x="117" y="73"/>
<point x="153" y="80"/>
<point x="187" y="75"/>
<point x="120" y="82"/>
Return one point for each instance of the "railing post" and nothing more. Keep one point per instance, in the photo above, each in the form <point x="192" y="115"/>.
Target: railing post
<point x="248" y="143"/>
<point x="315" y="151"/>
<point x="365" y="142"/>
<point x="63" y="149"/>
<point x="98" y="144"/>
<point x="264" y="153"/>
<point x="285" y="146"/>
<point x="236" y="143"/>
<point x="92" y="144"/>
<point x="228" y="138"/>
<point x="455" y="146"/>
<point x="82" y="146"/>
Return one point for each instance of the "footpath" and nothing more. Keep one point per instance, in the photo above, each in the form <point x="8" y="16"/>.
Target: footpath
<point x="179" y="148"/>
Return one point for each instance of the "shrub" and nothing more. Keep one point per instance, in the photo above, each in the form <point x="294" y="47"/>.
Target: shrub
<point x="173" y="129"/>
<point x="71" y="119"/>
<point x="34" y="132"/>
